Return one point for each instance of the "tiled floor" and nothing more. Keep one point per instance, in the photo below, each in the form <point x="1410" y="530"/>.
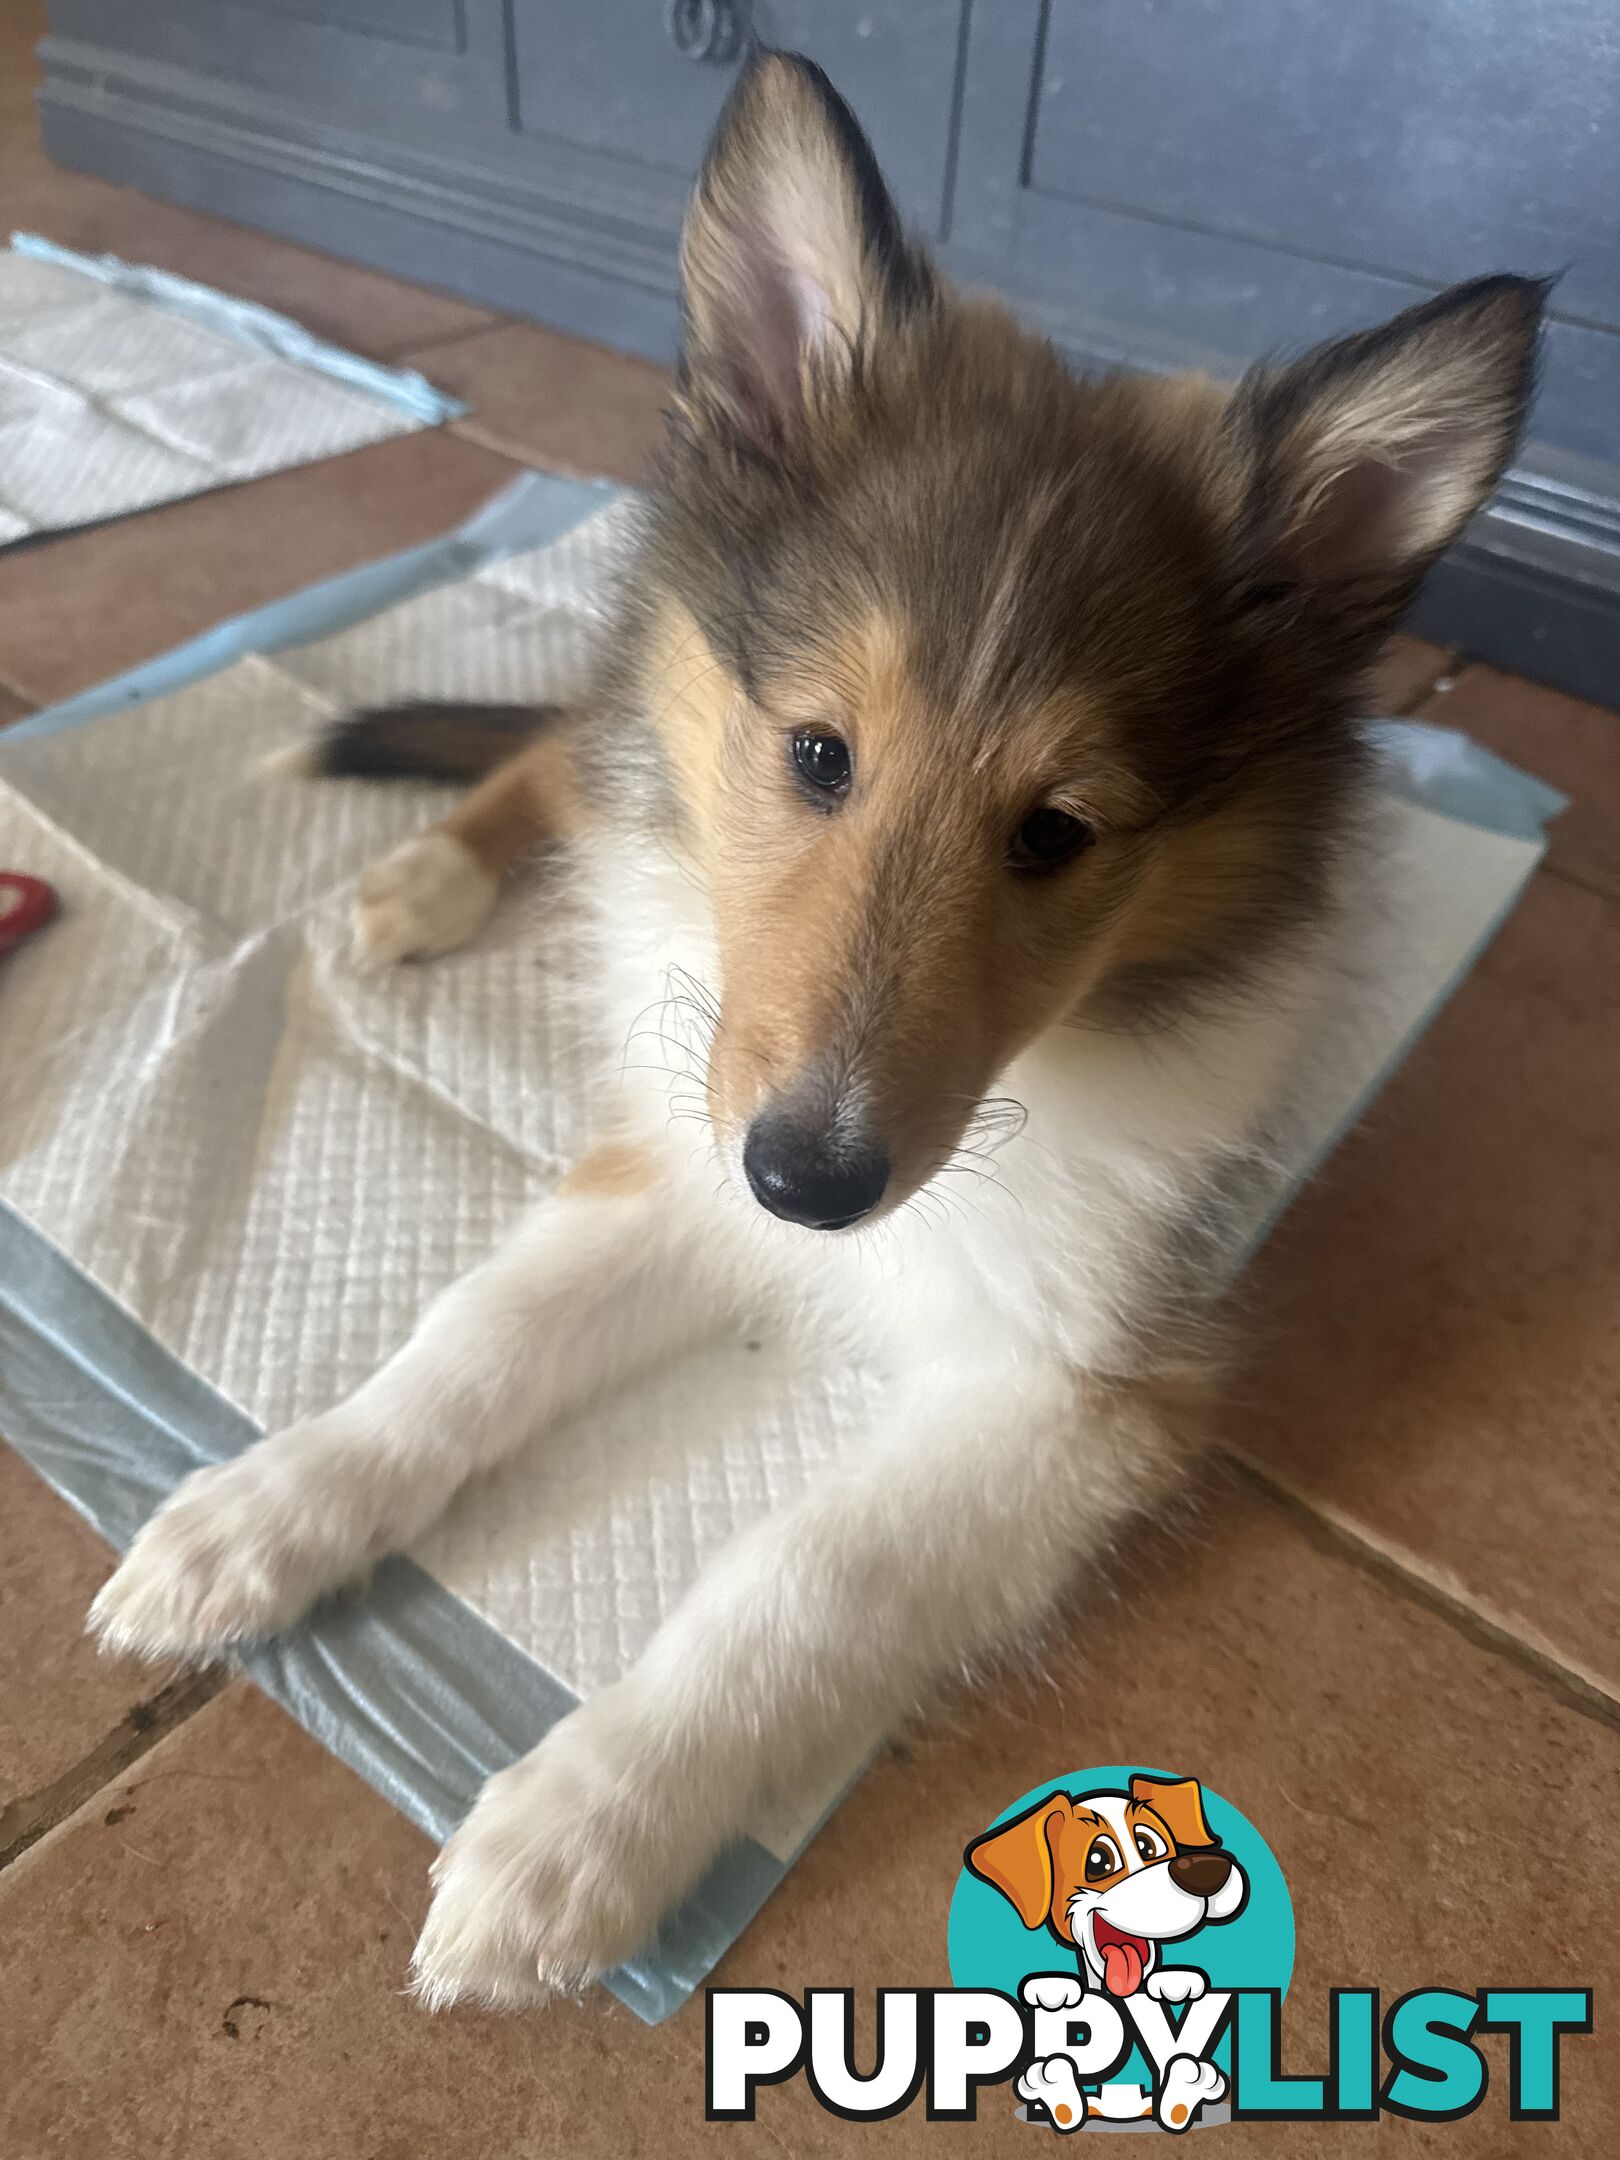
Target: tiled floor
<point x="1390" y="1629"/>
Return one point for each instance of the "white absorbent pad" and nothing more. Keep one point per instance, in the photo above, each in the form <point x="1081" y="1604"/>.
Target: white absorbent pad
<point x="122" y="387"/>
<point x="234" y="1171"/>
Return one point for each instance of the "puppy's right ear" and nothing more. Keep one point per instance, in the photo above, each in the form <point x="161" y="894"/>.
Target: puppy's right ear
<point x="1017" y="1858"/>
<point x="1368" y="456"/>
<point x="793" y="255"/>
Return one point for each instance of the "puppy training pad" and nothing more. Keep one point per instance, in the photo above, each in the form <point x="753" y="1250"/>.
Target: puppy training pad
<point x="233" y="1171"/>
<point x="123" y="387"/>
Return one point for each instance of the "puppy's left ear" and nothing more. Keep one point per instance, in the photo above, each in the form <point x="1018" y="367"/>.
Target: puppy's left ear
<point x="793" y="255"/>
<point x="1179" y="1805"/>
<point x="1018" y="1860"/>
<point x="1365" y="459"/>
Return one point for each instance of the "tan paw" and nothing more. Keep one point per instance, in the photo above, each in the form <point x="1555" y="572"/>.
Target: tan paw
<point x="428" y="897"/>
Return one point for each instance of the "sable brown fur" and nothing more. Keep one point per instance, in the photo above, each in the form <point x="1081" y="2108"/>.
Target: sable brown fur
<point x="1154" y="601"/>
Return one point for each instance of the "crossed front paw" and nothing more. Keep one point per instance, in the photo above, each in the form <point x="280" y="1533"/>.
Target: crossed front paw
<point x="559" y="1873"/>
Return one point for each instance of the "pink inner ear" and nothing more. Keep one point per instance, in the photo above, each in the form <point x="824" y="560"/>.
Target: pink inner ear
<point x="776" y="315"/>
<point x="1355" y="525"/>
<point x="1376" y="515"/>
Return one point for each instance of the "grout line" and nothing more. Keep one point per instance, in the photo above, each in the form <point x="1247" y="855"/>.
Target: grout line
<point x="1578" y="1693"/>
<point x="15" y="690"/>
<point x="472" y="430"/>
<point x="25" y="1820"/>
<point x="414" y="354"/>
<point x="1603" y="885"/>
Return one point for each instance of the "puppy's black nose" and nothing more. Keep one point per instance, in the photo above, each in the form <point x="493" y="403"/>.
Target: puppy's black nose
<point x="1201" y="1873"/>
<point x="812" y="1176"/>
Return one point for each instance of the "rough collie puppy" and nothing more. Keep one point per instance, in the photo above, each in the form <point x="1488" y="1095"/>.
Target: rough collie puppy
<point x="970" y="735"/>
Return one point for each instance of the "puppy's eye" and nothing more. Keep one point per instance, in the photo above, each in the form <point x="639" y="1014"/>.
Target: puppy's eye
<point x="823" y="760"/>
<point x="1049" y="838"/>
<point x="1150" y="1845"/>
<point x="1102" y="1858"/>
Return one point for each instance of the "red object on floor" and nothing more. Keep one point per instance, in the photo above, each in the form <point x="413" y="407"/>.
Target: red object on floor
<point x="26" y="904"/>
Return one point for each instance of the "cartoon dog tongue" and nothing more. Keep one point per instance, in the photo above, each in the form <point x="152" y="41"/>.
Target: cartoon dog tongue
<point x="1122" y="1967"/>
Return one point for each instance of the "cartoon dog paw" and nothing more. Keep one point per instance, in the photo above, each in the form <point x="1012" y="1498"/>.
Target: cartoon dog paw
<point x="1188" y="2085"/>
<point x="1055" y="2085"/>
<point x="1053" y="1991"/>
<point x="1177" y="1984"/>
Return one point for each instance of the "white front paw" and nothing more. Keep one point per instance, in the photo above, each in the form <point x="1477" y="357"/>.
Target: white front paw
<point x="1053" y="1991"/>
<point x="236" y="1551"/>
<point x="1187" y="2086"/>
<point x="428" y="897"/>
<point x="561" y="1871"/>
<point x="1177" y="1984"/>
<point x="1055" y="2085"/>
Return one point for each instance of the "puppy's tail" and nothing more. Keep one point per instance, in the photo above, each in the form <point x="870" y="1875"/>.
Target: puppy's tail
<point x="424" y="739"/>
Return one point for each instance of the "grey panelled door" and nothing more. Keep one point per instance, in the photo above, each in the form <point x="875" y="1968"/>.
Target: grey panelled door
<point x="1238" y="174"/>
<point x="611" y="78"/>
<point x="1158" y="182"/>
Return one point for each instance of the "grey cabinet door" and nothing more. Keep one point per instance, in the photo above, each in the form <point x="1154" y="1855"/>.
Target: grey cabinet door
<point x="419" y="22"/>
<point x="607" y="79"/>
<point x="1192" y="176"/>
<point x="427" y="74"/>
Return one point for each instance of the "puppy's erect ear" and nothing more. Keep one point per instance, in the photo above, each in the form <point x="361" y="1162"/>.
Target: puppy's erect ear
<point x="1179" y="1805"/>
<point x="1017" y="1858"/>
<point x="1366" y="458"/>
<point x="793" y="257"/>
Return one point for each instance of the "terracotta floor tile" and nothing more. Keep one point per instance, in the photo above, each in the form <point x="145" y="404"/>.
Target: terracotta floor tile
<point x="554" y="401"/>
<point x="1575" y="746"/>
<point x="248" y="1880"/>
<point x="88" y="605"/>
<point x="1385" y="1759"/>
<point x="1406" y="675"/>
<point x="22" y="25"/>
<point x="209" y="1960"/>
<point x="1440" y="1362"/>
<point x="58" y="1696"/>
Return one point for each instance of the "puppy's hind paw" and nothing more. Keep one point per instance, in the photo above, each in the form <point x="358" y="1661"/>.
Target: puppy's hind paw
<point x="428" y="897"/>
<point x="1054" y="2084"/>
<point x="1188" y="2086"/>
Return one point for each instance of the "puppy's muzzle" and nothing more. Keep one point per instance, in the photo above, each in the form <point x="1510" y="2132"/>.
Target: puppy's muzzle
<point x="1200" y="1874"/>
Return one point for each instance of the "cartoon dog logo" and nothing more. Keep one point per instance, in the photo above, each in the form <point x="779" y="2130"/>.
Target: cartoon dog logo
<point x="1113" y="1875"/>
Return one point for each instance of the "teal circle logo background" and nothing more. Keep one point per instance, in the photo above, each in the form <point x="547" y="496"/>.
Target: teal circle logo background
<point x="990" y="1947"/>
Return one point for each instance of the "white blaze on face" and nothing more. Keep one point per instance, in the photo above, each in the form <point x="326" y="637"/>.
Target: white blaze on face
<point x="1119" y="1924"/>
